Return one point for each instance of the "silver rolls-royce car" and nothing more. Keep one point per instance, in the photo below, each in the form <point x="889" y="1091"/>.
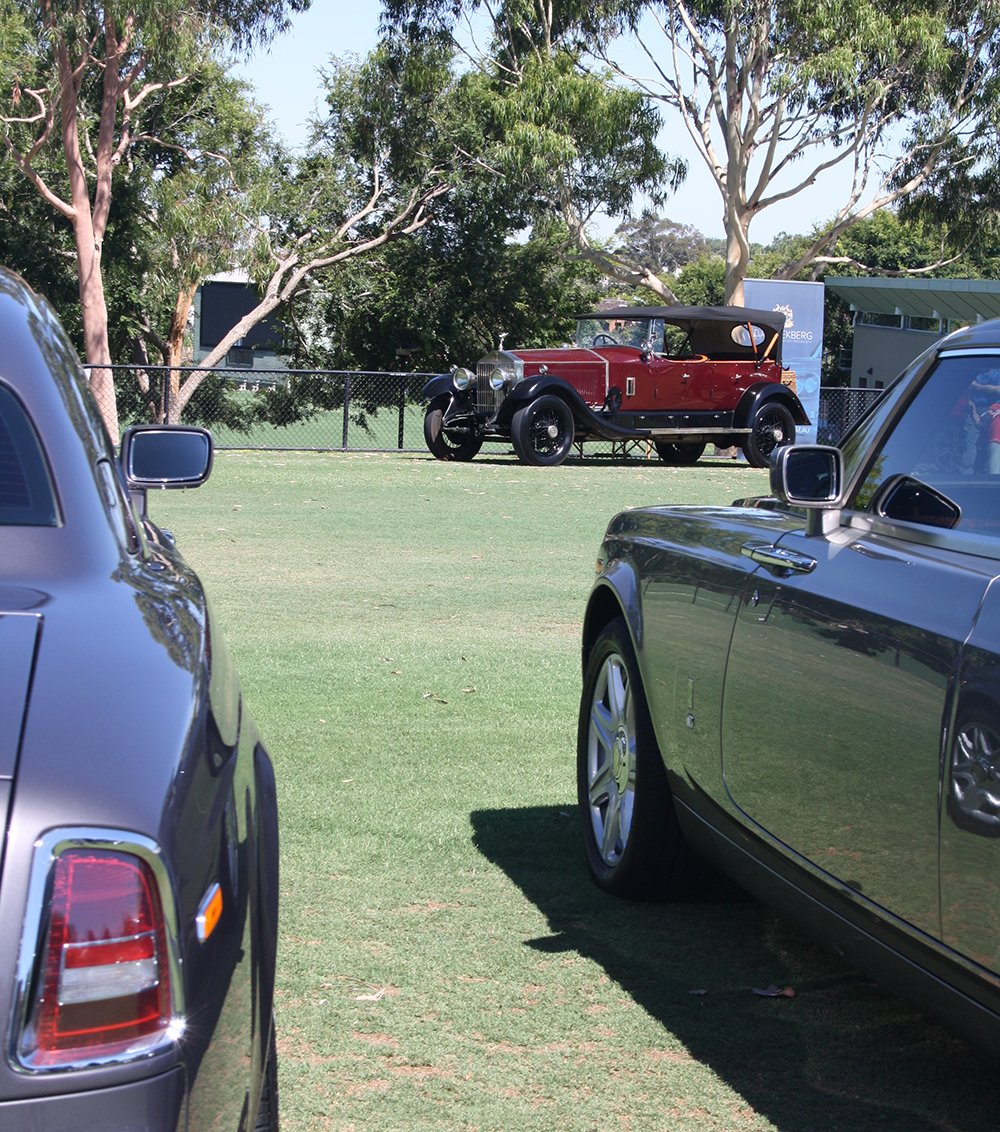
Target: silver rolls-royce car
<point x="138" y="893"/>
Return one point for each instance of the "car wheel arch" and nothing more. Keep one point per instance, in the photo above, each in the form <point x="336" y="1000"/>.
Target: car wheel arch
<point x="541" y="385"/>
<point x="763" y="393"/>
<point x="616" y="595"/>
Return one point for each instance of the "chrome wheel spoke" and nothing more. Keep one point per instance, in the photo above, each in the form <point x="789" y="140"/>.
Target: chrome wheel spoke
<point x="611" y="759"/>
<point x="613" y="842"/>
<point x="602" y="785"/>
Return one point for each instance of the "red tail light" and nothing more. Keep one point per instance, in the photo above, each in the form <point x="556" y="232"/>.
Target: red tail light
<point x="103" y="981"/>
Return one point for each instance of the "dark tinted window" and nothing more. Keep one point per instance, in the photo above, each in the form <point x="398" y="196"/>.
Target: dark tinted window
<point x="947" y="439"/>
<point x="26" y="495"/>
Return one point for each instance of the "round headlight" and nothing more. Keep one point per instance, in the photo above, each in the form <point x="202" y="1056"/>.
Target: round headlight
<point x="497" y="378"/>
<point x="462" y="378"/>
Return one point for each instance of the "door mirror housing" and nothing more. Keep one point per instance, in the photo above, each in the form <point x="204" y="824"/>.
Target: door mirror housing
<point x="166" y="456"/>
<point x="808" y="475"/>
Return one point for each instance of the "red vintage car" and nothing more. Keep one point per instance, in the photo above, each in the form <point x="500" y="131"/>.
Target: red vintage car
<point x="677" y="377"/>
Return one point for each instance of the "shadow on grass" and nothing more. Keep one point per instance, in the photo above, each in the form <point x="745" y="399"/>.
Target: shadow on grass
<point x="506" y="458"/>
<point x="843" y="1053"/>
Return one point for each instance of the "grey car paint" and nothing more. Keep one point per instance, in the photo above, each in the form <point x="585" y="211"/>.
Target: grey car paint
<point x="123" y="718"/>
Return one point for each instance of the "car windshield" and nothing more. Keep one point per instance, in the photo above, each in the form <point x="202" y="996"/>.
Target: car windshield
<point x="26" y="495"/>
<point x="642" y="333"/>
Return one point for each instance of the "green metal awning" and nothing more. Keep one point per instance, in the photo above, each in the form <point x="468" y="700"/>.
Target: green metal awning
<point x="958" y="300"/>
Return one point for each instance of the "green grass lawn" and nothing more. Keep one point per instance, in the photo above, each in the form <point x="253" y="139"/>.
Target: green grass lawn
<point x="408" y="636"/>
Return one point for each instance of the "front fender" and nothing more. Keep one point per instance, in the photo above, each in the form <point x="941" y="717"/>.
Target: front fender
<point x="587" y="421"/>
<point x="532" y="387"/>
<point x="436" y="386"/>
<point x="757" y="395"/>
<point x="615" y="594"/>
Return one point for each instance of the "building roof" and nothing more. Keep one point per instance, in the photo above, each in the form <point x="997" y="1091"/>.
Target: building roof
<point x="959" y="300"/>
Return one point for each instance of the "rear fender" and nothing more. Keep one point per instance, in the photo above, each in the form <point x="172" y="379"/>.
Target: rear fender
<point x="757" y="395"/>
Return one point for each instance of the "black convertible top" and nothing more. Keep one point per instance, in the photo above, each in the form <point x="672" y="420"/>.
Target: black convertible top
<point x="710" y="328"/>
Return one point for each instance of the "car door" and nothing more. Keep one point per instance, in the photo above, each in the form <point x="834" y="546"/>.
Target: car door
<point x="863" y="632"/>
<point x="658" y="384"/>
<point x="970" y="823"/>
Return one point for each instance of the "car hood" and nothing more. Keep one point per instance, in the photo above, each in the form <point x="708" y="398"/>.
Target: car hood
<point x="563" y="354"/>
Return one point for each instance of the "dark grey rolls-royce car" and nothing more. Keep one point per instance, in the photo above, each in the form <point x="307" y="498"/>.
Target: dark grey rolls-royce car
<point x="805" y="690"/>
<point x="138" y="893"/>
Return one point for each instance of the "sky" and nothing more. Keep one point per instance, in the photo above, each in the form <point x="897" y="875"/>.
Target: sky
<point x="285" y="77"/>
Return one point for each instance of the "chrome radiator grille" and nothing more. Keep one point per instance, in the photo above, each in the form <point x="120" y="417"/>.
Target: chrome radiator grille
<point x="488" y="400"/>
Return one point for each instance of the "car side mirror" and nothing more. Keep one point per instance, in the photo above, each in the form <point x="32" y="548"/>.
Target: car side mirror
<point x="903" y="497"/>
<point x="162" y="456"/>
<point x="807" y="475"/>
<point x="810" y="476"/>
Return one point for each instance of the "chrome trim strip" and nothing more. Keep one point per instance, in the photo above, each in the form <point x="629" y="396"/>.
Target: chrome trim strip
<point x="48" y="847"/>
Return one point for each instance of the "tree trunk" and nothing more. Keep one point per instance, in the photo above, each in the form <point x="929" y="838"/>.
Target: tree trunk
<point x="737" y="253"/>
<point x="89" y="237"/>
<point x="94" y="314"/>
<point x="175" y="351"/>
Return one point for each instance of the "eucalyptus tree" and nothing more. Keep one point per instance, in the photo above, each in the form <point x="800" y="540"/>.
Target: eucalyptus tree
<point x="205" y="185"/>
<point x="572" y="140"/>
<point x="82" y="77"/>
<point x="889" y="93"/>
<point x="386" y="151"/>
<point x="896" y="97"/>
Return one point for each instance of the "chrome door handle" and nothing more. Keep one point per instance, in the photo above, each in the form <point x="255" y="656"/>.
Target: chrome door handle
<point x="778" y="558"/>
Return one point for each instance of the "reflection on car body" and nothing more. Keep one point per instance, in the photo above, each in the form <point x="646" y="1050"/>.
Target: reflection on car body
<point x="865" y="797"/>
<point x="138" y="890"/>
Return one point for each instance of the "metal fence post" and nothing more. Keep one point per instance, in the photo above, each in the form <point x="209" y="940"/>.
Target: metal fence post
<point x="347" y="408"/>
<point x="402" y="408"/>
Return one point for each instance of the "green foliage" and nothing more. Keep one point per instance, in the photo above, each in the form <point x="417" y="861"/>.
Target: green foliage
<point x="703" y="282"/>
<point x="445" y="298"/>
<point x="662" y="245"/>
<point x="567" y="136"/>
<point x="122" y="99"/>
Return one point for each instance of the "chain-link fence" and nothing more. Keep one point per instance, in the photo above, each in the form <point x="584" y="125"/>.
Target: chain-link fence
<point x="346" y="410"/>
<point x="839" y="408"/>
<point x="284" y="409"/>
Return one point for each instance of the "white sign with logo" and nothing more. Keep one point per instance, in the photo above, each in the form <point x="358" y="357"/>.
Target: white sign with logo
<point x="802" y="342"/>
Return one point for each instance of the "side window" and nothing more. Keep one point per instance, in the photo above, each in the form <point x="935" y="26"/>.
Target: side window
<point x="27" y="498"/>
<point x="940" y="464"/>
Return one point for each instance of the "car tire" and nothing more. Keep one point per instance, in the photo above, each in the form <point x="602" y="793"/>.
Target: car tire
<point x="542" y="431"/>
<point x="633" y="841"/>
<point x="680" y="455"/>
<point x="267" y="1113"/>
<point x="441" y="444"/>
<point x="771" y="427"/>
